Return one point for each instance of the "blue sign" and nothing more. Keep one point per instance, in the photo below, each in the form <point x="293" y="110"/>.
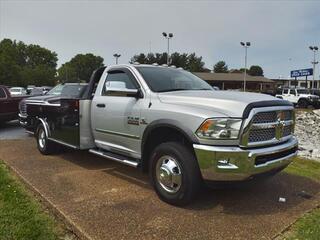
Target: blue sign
<point x="301" y="72"/>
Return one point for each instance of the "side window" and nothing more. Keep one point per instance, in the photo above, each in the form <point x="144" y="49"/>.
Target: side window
<point x="292" y="92"/>
<point x="118" y="80"/>
<point x="2" y="93"/>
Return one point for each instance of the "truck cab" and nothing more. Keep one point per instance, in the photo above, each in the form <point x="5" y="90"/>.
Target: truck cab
<point x="9" y="105"/>
<point x="171" y="124"/>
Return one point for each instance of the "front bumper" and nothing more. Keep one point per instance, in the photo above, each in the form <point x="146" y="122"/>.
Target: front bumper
<point x="23" y="120"/>
<point x="219" y="163"/>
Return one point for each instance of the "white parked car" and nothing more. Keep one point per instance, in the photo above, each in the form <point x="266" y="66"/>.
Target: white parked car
<point x="299" y="96"/>
<point x="18" y="91"/>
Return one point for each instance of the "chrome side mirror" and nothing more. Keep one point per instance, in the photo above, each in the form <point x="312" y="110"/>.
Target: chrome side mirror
<point x="120" y="89"/>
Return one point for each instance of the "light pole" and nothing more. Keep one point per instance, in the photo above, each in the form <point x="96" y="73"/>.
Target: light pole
<point x="245" y="45"/>
<point x="116" y="55"/>
<point x="314" y="49"/>
<point x="168" y="37"/>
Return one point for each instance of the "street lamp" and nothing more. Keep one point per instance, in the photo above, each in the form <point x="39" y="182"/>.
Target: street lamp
<point x="245" y="45"/>
<point x="116" y="55"/>
<point x="314" y="49"/>
<point x="168" y="37"/>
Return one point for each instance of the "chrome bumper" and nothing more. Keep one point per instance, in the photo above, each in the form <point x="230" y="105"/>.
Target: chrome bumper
<point x="218" y="163"/>
<point x="23" y="120"/>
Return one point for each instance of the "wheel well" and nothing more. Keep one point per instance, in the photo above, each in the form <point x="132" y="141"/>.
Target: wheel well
<point x="160" y="135"/>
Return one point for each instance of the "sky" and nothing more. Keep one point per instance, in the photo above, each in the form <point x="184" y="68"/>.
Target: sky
<point x="280" y="32"/>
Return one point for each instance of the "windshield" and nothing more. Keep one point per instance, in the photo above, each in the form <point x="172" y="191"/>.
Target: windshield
<point x="72" y="90"/>
<point x="56" y="90"/>
<point x="164" y="79"/>
<point x="302" y="91"/>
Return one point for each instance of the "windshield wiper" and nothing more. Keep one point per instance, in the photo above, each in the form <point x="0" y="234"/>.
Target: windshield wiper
<point x="202" y="89"/>
<point x="174" y="89"/>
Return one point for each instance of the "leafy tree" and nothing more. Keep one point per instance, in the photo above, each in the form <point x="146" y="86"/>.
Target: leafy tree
<point x="186" y="61"/>
<point x="21" y="64"/>
<point x="255" y="70"/>
<point x="220" y="67"/>
<point x="195" y="63"/>
<point x="80" y="67"/>
<point x="235" y="71"/>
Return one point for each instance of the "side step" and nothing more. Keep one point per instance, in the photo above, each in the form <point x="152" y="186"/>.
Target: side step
<point x="115" y="157"/>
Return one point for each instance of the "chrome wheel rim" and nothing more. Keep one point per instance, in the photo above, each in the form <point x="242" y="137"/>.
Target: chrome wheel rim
<point x="169" y="174"/>
<point x="42" y="138"/>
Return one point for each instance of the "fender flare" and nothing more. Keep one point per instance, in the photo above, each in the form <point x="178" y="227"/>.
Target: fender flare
<point x="170" y="123"/>
<point x="45" y="125"/>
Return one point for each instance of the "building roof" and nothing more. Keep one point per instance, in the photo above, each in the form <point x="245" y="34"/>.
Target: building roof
<point x="231" y="77"/>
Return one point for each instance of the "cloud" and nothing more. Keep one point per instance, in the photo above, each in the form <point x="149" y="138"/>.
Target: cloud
<point x="278" y="30"/>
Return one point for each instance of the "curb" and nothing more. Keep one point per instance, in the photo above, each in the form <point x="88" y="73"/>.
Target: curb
<point x="76" y="230"/>
<point x="287" y="228"/>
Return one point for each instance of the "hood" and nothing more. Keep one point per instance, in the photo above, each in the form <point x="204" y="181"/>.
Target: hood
<point x="229" y="103"/>
<point x="308" y="95"/>
<point x="41" y="98"/>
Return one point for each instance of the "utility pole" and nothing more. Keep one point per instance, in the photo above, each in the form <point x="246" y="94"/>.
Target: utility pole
<point x="168" y="37"/>
<point x="314" y="49"/>
<point x="246" y="46"/>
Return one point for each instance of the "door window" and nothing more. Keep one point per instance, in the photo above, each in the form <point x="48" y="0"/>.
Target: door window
<point x="2" y="93"/>
<point x="118" y="80"/>
<point x="292" y="92"/>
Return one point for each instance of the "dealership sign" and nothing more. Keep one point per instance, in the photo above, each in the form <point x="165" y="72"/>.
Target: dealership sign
<point x="301" y="73"/>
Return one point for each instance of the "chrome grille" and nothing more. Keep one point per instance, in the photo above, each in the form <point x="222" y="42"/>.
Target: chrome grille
<point x="268" y="127"/>
<point x="287" y="130"/>
<point x="265" y="117"/>
<point x="23" y="108"/>
<point x="260" y="135"/>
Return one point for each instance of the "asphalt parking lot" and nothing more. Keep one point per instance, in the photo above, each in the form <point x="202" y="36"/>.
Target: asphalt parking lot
<point x="12" y="130"/>
<point x="102" y="199"/>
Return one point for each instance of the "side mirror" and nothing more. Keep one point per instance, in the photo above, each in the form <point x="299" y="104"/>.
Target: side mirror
<point x="120" y="89"/>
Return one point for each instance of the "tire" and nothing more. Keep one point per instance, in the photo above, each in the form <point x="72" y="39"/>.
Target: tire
<point x="303" y="103"/>
<point x="45" y="146"/>
<point x="174" y="159"/>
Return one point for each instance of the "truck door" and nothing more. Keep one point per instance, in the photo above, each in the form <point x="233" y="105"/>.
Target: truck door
<point x="292" y="96"/>
<point x="3" y="103"/>
<point x="115" y="117"/>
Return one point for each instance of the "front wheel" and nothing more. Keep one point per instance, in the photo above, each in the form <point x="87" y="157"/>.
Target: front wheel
<point x="45" y="146"/>
<point x="303" y="103"/>
<point x="174" y="173"/>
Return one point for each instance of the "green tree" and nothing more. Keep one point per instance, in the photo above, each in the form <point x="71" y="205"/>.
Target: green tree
<point x="21" y="64"/>
<point x="186" y="61"/>
<point x="255" y="70"/>
<point x="79" y="68"/>
<point x="220" y="67"/>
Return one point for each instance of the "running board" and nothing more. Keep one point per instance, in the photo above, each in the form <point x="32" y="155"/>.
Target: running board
<point x="115" y="157"/>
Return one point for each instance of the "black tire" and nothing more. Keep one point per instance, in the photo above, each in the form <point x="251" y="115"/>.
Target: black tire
<point x="303" y="103"/>
<point x="187" y="166"/>
<point x="45" y="146"/>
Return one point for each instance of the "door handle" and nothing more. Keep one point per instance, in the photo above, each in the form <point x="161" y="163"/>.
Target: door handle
<point x="101" y="105"/>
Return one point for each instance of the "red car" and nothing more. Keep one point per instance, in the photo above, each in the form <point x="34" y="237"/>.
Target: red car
<point x="9" y="106"/>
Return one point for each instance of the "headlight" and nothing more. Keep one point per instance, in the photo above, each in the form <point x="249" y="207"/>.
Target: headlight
<point x="220" y="128"/>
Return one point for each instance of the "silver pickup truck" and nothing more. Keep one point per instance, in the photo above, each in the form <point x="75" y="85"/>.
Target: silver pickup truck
<point x="172" y="124"/>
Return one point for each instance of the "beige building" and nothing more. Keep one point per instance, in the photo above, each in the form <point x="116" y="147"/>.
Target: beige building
<point x="227" y="81"/>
